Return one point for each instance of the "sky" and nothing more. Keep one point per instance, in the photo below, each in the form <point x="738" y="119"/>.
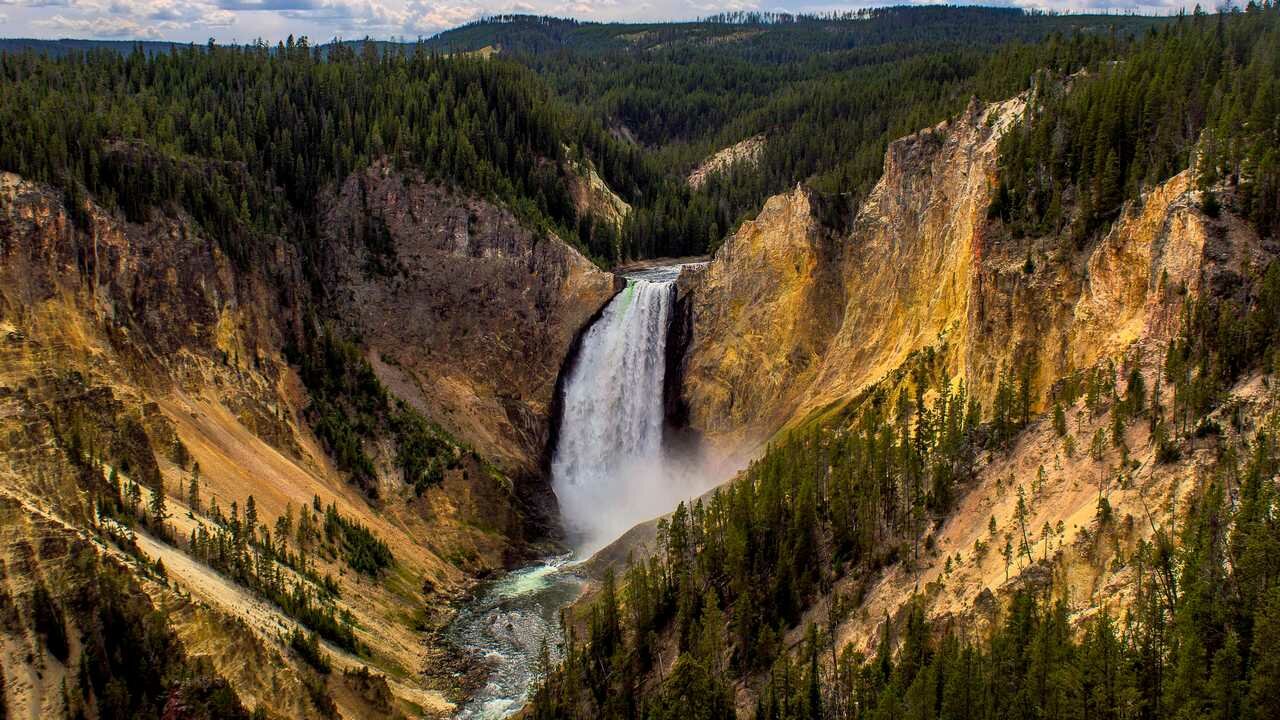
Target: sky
<point x="246" y="20"/>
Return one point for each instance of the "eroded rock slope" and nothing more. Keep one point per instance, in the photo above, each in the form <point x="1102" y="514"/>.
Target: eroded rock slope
<point x="138" y="358"/>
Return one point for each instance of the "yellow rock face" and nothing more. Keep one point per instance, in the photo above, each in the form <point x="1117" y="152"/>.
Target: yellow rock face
<point x="763" y="312"/>
<point x="908" y="265"/>
<point x="146" y="338"/>
<point x="788" y="320"/>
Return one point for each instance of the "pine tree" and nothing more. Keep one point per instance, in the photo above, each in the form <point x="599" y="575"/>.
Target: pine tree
<point x="193" y="493"/>
<point x="711" y="648"/>
<point x="1023" y="510"/>
<point x="158" y="509"/>
<point x="250" y="517"/>
<point x="1110" y="184"/>
<point x="1264" y="676"/>
<point x="133" y="498"/>
<point x="50" y="622"/>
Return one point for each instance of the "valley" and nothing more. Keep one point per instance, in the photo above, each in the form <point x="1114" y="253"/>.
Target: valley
<point x="909" y="362"/>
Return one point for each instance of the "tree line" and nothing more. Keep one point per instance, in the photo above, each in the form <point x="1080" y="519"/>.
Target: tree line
<point x="246" y="138"/>
<point x="1203" y="91"/>
<point x="828" y="93"/>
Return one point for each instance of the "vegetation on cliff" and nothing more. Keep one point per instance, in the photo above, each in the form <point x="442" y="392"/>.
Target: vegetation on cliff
<point x="855" y="491"/>
<point x="350" y="409"/>
<point x="129" y="662"/>
<point x="1200" y="85"/>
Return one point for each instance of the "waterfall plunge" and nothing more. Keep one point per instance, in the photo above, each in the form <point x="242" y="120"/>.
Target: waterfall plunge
<point x="609" y="470"/>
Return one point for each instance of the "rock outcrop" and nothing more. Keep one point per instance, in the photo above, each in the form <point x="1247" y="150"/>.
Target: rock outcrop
<point x="470" y="315"/>
<point x="592" y="195"/>
<point x="746" y="152"/>
<point x="861" y="303"/>
<point x="762" y="315"/>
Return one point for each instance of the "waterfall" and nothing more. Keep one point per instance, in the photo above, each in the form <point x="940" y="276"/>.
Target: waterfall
<point x="608" y="469"/>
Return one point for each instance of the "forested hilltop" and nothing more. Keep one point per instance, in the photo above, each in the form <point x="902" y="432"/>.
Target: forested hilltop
<point x="245" y="137"/>
<point x="891" y="554"/>
<point x="827" y="92"/>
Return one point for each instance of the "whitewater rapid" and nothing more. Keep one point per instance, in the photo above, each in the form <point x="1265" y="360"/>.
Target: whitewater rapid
<point x="608" y="470"/>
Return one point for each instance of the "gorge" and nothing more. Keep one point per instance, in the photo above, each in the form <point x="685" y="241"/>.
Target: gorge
<point x="354" y="380"/>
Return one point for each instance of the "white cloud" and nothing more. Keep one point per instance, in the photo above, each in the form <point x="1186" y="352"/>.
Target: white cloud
<point x="104" y="26"/>
<point x="350" y="14"/>
<point x="183" y="13"/>
<point x="335" y="14"/>
<point x="432" y="17"/>
<point x="719" y="6"/>
<point x="147" y="19"/>
<point x="37" y="3"/>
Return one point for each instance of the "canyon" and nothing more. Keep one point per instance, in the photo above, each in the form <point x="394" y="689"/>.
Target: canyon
<point x="142" y="351"/>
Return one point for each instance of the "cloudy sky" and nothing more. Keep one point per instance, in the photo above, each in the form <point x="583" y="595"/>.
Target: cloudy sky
<point x="245" y="20"/>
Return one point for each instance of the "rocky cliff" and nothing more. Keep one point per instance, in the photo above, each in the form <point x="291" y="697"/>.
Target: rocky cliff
<point x="762" y="315"/>
<point x="143" y="354"/>
<point x="464" y="311"/>
<point x="791" y="321"/>
<point x="855" y="305"/>
<point x="791" y="318"/>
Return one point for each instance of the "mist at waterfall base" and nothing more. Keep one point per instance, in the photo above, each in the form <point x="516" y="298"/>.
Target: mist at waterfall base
<point x="610" y="469"/>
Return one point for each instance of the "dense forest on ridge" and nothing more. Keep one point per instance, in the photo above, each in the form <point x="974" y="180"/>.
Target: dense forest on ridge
<point x="245" y="137"/>
<point x="828" y="92"/>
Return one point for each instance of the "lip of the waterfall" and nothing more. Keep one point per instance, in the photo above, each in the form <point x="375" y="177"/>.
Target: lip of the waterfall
<point x="661" y="274"/>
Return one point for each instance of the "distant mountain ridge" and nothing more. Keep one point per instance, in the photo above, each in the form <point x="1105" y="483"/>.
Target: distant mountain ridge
<point x="63" y="46"/>
<point x="535" y="34"/>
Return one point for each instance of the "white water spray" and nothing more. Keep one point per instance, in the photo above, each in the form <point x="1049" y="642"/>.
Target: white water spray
<point x="609" y="470"/>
